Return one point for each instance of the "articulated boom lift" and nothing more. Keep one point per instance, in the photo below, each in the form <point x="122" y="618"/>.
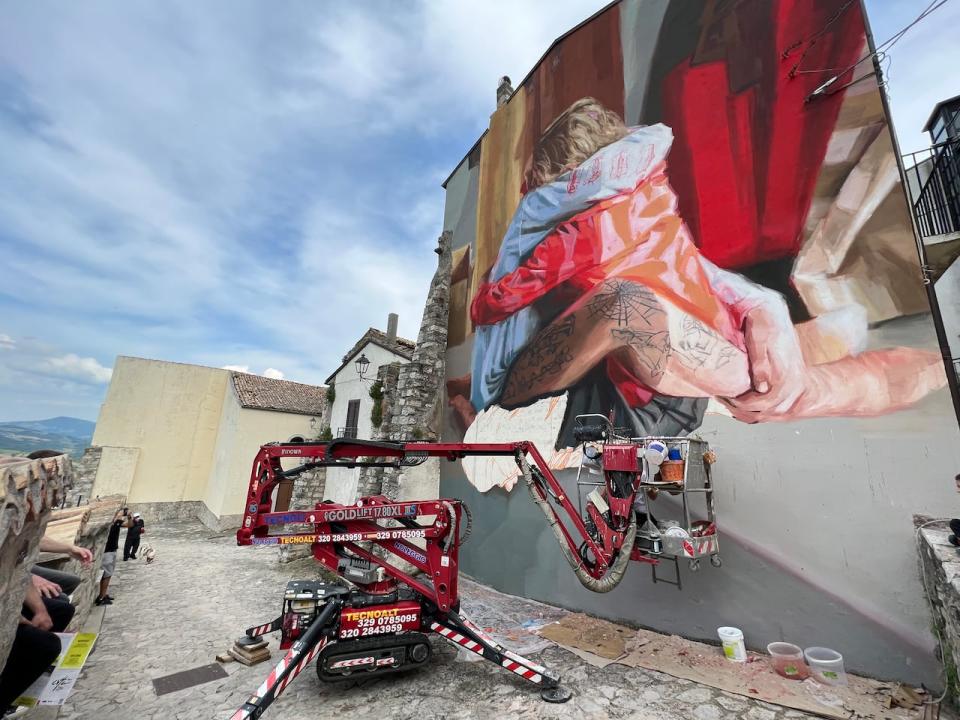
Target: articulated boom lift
<point x="382" y="624"/>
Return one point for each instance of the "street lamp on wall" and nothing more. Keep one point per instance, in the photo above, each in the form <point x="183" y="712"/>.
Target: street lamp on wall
<point x="362" y="365"/>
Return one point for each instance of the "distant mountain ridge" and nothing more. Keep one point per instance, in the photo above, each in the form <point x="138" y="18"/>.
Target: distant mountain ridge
<point x="69" y="434"/>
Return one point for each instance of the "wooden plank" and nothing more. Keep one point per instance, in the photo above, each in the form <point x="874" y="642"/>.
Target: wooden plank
<point x="240" y="658"/>
<point x="65" y="530"/>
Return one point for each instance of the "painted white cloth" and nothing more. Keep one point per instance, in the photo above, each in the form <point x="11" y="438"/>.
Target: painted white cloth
<point x="537" y="423"/>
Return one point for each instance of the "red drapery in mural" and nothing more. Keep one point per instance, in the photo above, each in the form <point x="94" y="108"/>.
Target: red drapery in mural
<point x="748" y="145"/>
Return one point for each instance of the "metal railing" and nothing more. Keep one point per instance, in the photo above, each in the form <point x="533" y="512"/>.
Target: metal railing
<point x="350" y="431"/>
<point x="933" y="177"/>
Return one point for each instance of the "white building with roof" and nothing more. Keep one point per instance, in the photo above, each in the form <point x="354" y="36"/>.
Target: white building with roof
<point x="179" y="440"/>
<point x="352" y="405"/>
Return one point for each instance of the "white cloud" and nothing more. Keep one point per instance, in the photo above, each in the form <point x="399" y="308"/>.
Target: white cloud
<point x="74" y="367"/>
<point x="237" y="368"/>
<point x="6" y="342"/>
<point x="269" y="372"/>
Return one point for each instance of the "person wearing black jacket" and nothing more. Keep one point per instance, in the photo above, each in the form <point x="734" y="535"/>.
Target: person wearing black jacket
<point x="132" y="543"/>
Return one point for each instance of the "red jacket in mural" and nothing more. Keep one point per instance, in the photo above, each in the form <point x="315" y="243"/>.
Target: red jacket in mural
<point x="635" y="236"/>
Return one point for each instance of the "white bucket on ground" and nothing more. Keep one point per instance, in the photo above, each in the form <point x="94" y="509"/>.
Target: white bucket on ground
<point x="731" y="639"/>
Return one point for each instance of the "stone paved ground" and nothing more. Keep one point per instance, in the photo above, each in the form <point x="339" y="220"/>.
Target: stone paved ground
<point x="179" y="612"/>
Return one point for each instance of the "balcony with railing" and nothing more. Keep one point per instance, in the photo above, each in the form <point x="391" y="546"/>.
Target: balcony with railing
<point x="933" y="176"/>
<point x="933" y="180"/>
<point x="350" y="431"/>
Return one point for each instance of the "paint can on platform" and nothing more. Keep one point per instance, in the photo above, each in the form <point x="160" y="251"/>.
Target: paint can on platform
<point x="731" y="639"/>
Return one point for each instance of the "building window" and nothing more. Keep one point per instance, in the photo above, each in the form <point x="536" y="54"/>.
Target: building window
<point x="353" y="415"/>
<point x="937" y="133"/>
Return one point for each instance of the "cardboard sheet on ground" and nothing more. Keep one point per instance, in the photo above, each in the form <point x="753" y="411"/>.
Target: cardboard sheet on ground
<point x="601" y="643"/>
<point x="54" y="688"/>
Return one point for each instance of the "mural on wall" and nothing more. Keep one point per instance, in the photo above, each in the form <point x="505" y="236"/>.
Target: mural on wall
<point x="671" y="216"/>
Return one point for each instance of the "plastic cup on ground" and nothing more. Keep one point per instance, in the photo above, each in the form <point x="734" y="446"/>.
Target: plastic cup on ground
<point x="788" y="660"/>
<point x="826" y="665"/>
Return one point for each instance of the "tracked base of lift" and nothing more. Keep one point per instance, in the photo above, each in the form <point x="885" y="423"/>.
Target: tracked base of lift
<point x="558" y="694"/>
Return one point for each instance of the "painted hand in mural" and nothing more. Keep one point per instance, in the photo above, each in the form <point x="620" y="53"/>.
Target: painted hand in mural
<point x="776" y="364"/>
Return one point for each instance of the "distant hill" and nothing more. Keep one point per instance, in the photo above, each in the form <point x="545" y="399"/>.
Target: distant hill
<point x="69" y="434"/>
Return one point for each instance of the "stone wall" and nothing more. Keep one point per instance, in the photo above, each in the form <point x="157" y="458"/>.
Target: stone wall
<point x="371" y="478"/>
<point x="84" y="474"/>
<point x="940" y="571"/>
<point x="413" y="410"/>
<point x="307" y="492"/>
<point x="31" y="489"/>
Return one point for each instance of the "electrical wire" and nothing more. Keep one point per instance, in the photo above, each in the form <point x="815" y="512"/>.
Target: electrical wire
<point x="880" y="53"/>
<point x="887" y="44"/>
<point x="816" y="36"/>
<point x="881" y="56"/>
<point x="926" y="589"/>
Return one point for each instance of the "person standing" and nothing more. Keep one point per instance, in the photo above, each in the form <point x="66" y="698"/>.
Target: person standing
<point x="132" y="543"/>
<point x="109" y="561"/>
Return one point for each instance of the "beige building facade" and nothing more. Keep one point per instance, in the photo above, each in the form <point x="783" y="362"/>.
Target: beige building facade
<point x="179" y="440"/>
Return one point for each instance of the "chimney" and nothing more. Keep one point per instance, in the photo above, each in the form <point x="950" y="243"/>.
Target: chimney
<point x="392" y="327"/>
<point x="504" y="91"/>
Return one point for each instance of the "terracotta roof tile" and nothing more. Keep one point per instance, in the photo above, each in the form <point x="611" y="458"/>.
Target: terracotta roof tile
<point x="262" y="393"/>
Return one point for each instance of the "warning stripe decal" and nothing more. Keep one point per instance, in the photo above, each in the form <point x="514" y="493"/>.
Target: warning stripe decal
<point x="304" y="661"/>
<point x="261" y="630"/>
<point x="519" y="665"/>
<point x="520" y="670"/>
<point x="456" y="637"/>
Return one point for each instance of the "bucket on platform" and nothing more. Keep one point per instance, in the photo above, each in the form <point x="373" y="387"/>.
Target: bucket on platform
<point x="826" y="665"/>
<point x="671" y="471"/>
<point x="731" y="639"/>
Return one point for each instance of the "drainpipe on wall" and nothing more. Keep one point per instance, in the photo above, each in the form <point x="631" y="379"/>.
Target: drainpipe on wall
<point x="942" y="341"/>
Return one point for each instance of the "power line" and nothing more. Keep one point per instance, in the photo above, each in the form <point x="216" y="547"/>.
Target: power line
<point x="879" y="52"/>
<point x="816" y="36"/>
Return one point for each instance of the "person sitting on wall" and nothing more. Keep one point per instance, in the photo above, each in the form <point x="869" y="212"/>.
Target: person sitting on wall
<point x="35" y="646"/>
<point x="55" y="586"/>
<point x="46" y="610"/>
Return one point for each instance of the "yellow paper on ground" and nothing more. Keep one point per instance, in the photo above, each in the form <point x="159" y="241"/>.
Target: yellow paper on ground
<point x="53" y="688"/>
<point x="78" y="651"/>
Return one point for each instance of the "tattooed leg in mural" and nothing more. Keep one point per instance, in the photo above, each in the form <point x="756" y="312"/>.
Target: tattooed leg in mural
<point x="673" y="353"/>
<point x="670" y="352"/>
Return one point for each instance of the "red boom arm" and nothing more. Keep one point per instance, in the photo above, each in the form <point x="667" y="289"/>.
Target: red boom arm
<point x="590" y="555"/>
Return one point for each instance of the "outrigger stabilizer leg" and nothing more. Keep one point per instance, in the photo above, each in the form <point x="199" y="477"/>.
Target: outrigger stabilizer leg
<point x="305" y="649"/>
<point x="258" y="630"/>
<point x="457" y="629"/>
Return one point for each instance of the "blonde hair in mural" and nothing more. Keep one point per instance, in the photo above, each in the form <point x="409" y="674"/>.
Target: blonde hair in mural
<point x="574" y="135"/>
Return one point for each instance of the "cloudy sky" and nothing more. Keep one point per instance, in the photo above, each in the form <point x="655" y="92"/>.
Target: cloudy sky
<point x="247" y="184"/>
